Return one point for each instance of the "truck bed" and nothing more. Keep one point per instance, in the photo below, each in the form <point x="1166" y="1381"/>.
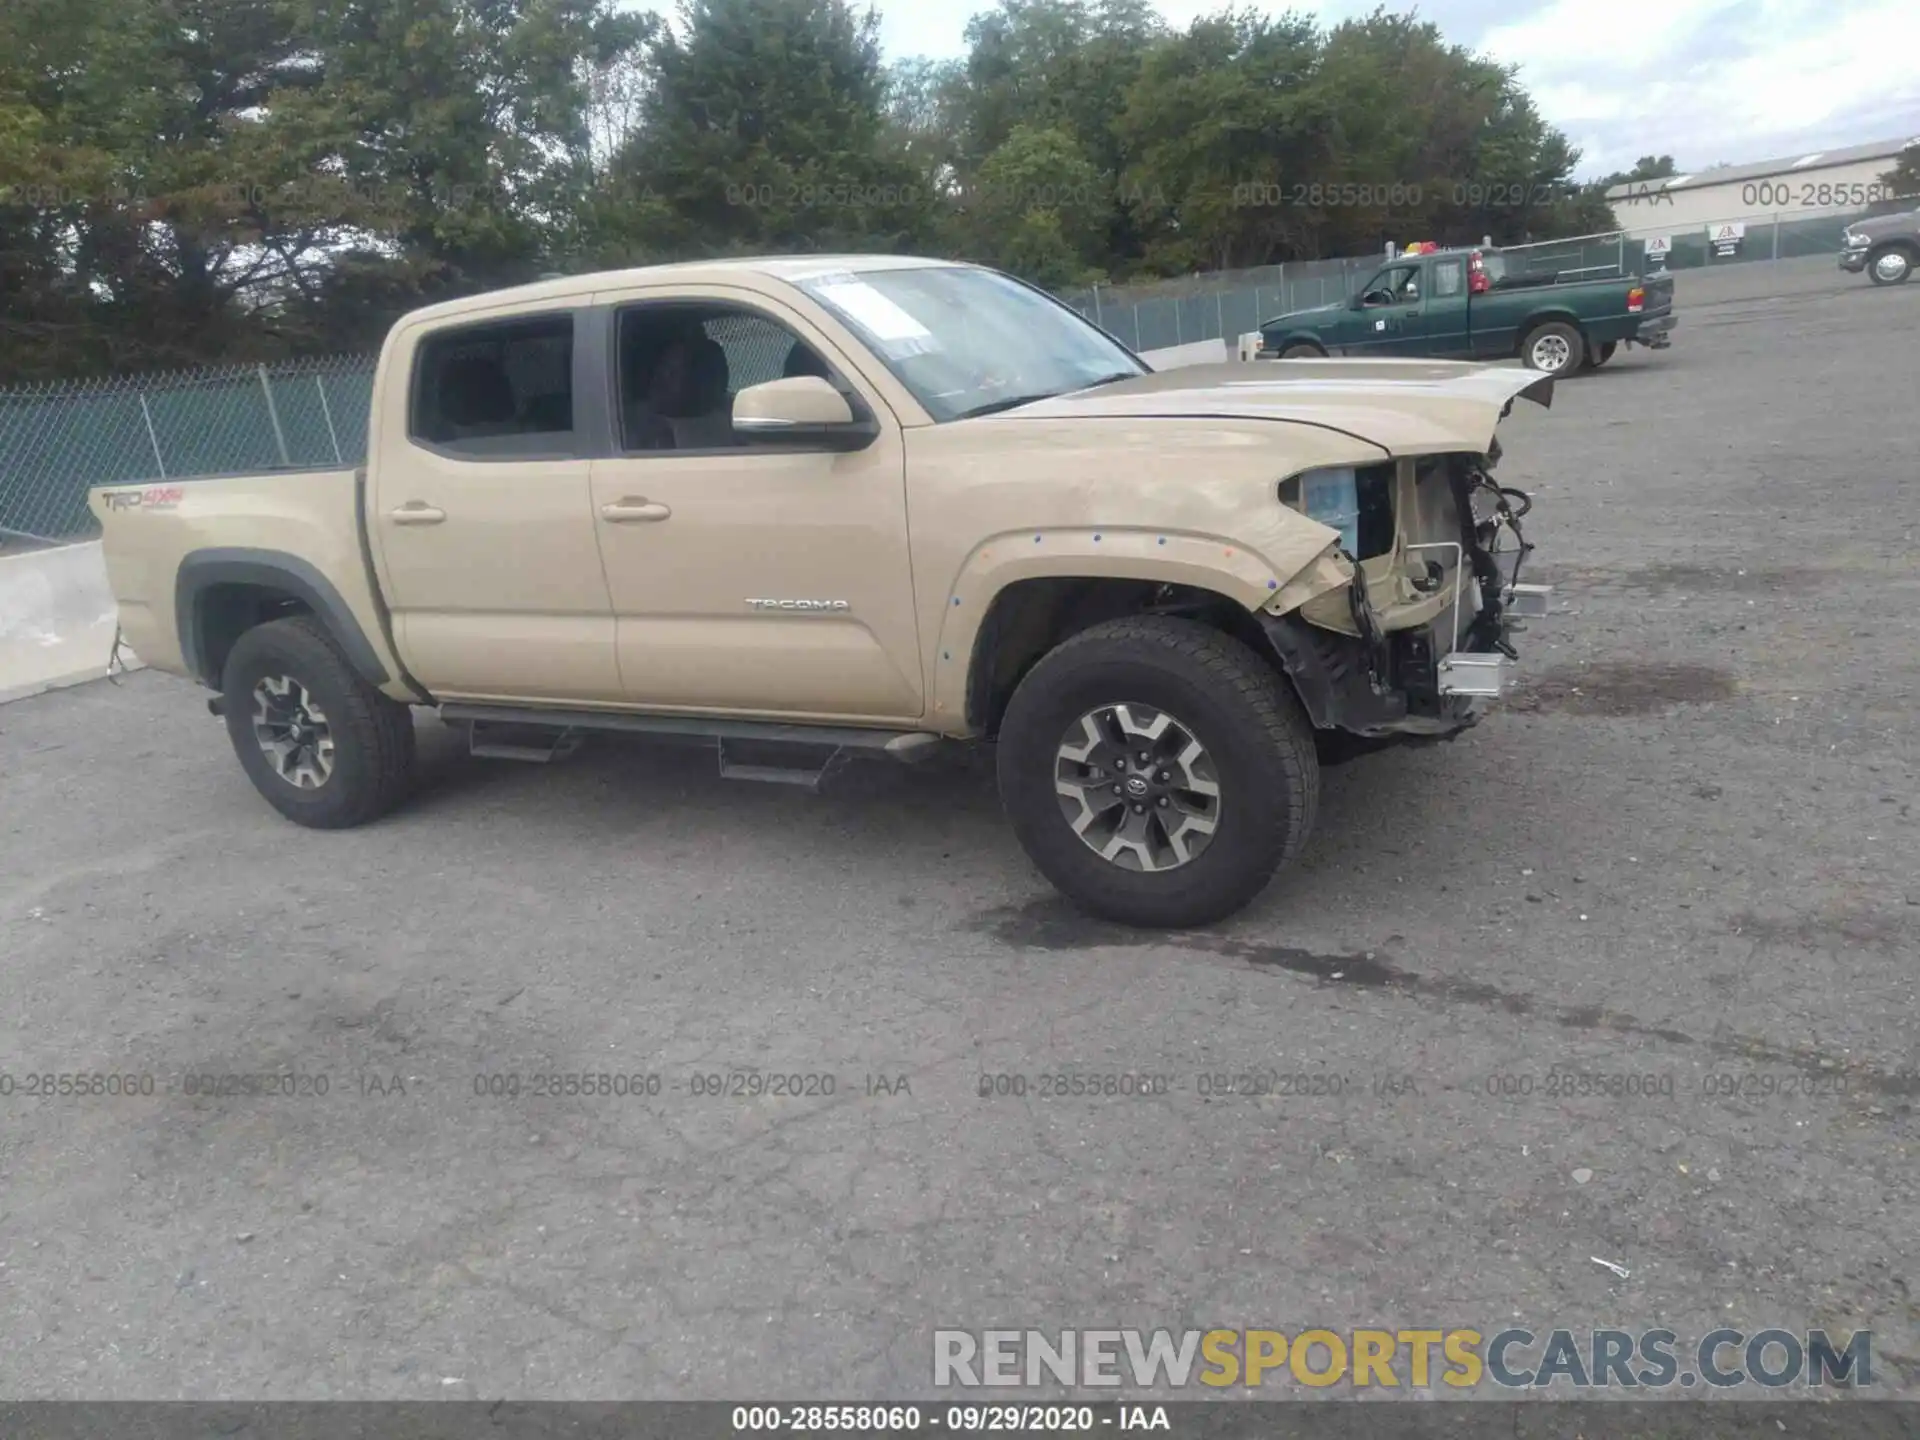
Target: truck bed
<point x="159" y="541"/>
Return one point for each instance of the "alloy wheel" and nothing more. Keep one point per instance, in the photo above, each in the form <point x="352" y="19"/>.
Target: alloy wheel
<point x="1551" y="352"/>
<point x="1138" y="787"/>
<point x="292" y="732"/>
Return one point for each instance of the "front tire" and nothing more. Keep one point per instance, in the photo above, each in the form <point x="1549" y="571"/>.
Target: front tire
<point x="323" y="747"/>
<point x="1301" y="350"/>
<point x="1214" y="760"/>
<point x="1555" y="348"/>
<point x="1892" y="266"/>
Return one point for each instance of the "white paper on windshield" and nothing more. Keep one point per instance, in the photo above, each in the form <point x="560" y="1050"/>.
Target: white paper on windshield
<point x="897" y="332"/>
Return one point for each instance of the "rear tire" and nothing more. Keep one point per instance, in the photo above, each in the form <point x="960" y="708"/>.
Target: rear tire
<point x="1891" y="266"/>
<point x="323" y="747"/>
<point x="1555" y="348"/>
<point x="1232" y="724"/>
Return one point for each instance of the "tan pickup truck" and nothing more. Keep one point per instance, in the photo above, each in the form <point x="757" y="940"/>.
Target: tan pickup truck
<point x="812" y="506"/>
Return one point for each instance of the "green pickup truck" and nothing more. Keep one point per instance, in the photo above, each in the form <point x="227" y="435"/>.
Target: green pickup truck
<point x="1476" y="305"/>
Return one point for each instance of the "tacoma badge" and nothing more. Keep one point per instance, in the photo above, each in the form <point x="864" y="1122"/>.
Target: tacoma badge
<point x="799" y="604"/>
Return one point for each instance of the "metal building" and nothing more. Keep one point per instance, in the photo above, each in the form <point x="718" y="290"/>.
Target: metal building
<point x="1716" y="207"/>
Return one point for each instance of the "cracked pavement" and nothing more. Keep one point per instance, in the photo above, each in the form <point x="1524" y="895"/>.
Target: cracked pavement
<point x="1685" y="854"/>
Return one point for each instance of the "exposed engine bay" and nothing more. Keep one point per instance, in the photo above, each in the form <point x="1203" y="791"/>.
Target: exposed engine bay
<point x="1422" y="633"/>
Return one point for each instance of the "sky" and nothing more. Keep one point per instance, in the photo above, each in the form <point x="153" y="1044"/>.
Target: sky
<point x="1706" y="81"/>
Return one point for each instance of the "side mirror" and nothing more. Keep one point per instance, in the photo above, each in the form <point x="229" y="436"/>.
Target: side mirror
<point x="802" y="410"/>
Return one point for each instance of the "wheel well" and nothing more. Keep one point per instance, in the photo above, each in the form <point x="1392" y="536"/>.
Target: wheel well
<point x="1533" y="324"/>
<point x="224" y="612"/>
<point x="1909" y="247"/>
<point x="1030" y="617"/>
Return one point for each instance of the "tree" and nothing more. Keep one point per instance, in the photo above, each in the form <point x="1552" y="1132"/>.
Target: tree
<point x="1219" y="123"/>
<point x="1904" y="178"/>
<point x="241" y="178"/>
<point x="764" y="127"/>
<point x="464" y="129"/>
<point x="1036" y="207"/>
<point x="1647" y="167"/>
<point x="190" y="180"/>
<point x="147" y="148"/>
<point x="1274" y="140"/>
<point x="1058" y="65"/>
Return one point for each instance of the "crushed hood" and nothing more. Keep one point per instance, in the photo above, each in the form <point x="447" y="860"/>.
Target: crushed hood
<point x="1406" y="407"/>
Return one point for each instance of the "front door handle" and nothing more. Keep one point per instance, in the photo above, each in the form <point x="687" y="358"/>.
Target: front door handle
<point x="417" y="512"/>
<point x="630" y="508"/>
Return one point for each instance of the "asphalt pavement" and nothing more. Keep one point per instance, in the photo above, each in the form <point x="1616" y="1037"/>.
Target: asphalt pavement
<point x="1683" y="863"/>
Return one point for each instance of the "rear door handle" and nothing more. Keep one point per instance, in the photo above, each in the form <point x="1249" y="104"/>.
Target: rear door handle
<point x="631" y="508"/>
<point x="417" y="512"/>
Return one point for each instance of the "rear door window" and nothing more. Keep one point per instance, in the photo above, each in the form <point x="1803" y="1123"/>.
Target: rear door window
<point x="498" y="389"/>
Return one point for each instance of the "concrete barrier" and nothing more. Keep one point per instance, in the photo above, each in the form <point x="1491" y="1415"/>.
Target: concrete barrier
<point x="57" y="619"/>
<point x="1201" y="352"/>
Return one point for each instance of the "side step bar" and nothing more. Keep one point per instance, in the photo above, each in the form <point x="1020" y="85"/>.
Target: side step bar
<point x="537" y="745"/>
<point x="512" y="733"/>
<point x="809" y="780"/>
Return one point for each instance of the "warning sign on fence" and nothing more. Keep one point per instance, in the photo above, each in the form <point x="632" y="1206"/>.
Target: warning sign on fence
<point x="1727" y="239"/>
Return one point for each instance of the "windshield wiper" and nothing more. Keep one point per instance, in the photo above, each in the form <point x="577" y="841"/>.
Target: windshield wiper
<point x="994" y="407"/>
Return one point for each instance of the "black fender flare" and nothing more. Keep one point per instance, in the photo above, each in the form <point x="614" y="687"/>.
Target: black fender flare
<point x="268" y="570"/>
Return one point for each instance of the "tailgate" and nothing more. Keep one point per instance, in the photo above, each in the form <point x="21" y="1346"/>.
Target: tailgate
<point x="1659" y="290"/>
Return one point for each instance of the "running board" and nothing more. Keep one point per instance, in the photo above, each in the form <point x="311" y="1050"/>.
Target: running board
<point x="902" y="745"/>
<point x="808" y="780"/>
<point x="537" y="745"/>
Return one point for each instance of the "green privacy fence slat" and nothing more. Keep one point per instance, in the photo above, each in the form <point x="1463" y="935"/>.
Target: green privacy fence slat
<point x="59" y="440"/>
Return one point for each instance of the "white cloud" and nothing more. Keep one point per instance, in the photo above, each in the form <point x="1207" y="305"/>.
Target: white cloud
<point x="1707" y="82"/>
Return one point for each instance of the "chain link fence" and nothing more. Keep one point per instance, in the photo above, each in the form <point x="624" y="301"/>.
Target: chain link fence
<point x="1218" y="305"/>
<point x="1776" y="237"/>
<point x="59" y="439"/>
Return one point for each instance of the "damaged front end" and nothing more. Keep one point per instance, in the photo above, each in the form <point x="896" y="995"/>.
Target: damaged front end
<point x="1407" y="629"/>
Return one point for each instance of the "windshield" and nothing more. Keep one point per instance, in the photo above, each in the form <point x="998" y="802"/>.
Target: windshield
<point x="968" y="342"/>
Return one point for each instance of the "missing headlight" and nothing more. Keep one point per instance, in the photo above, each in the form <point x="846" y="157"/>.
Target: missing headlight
<point x="1355" y="500"/>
